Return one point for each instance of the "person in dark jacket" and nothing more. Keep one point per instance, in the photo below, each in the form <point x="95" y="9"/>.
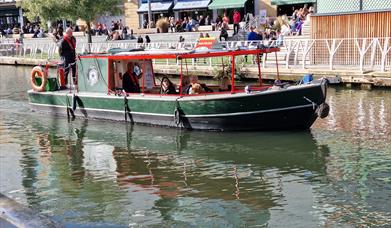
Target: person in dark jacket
<point x="223" y="33"/>
<point x="147" y="39"/>
<point x="130" y="81"/>
<point x="67" y="50"/>
<point x="167" y="86"/>
<point x="140" y="40"/>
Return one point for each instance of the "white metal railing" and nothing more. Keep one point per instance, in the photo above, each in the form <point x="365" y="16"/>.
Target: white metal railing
<point x="363" y="54"/>
<point x="254" y="22"/>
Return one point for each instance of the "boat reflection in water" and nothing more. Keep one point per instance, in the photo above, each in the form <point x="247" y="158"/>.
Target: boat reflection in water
<point x="108" y="173"/>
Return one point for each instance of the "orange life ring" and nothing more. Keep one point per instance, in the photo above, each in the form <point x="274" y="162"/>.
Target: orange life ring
<point x="38" y="71"/>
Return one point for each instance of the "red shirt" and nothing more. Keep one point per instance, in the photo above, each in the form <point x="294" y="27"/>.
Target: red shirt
<point x="226" y="19"/>
<point x="236" y="18"/>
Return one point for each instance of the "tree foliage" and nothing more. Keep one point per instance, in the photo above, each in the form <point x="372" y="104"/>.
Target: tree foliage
<point x="87" y="10"/>
<point x="47" y="10"/>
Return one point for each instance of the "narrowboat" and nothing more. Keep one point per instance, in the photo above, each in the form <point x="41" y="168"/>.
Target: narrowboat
<point x="100" y="93"/>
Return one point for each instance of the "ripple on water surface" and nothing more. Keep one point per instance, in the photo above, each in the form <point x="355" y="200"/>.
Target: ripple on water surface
<point x="94" y="173"/>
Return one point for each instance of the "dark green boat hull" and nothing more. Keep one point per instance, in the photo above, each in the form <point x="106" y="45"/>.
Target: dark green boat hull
<point x="284" y="109"/>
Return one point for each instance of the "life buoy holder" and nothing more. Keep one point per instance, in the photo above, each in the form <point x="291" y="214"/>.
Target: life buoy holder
<point x="40" y="72"/>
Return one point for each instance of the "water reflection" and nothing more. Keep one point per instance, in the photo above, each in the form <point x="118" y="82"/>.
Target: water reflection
<point x="363" y="113"/>
<point x="113" y="174"/>
<point x="121" y="173"/>
<point x="358" y="168"/>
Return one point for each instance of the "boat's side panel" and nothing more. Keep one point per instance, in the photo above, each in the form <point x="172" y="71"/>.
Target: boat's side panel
<point x="94" y="75"/>
<point x="156" y="112"/>
<point x="301" y="117"/>
<point x="285" y="109"/>
<point x="255" y="102"/>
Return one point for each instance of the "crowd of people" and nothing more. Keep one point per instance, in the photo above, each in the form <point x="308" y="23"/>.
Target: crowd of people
<point x="28" y="28"/>
<point x="278" y="28"/>
<point x="273" y="29"/>
<point x="192" y="24"/>
<point x="116" y="31"/>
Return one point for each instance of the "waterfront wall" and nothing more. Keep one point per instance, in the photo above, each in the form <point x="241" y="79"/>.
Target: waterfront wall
<point x="13" y="214"/>
<point x="351" y="25"/>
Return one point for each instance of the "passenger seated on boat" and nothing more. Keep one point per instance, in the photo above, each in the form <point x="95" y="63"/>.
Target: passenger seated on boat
<point x="196" y="89"/>
<point x="186" y="85"/>
<point x="206" y="88"/>
<point x="194" y="80"/>
<point x="225" y="85"/>
<point x="167" y="87"/>
<point x="130" y="81"/>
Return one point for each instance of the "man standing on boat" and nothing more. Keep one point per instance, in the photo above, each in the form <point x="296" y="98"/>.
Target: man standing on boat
<point x="130" y="81"/>
<point x="67" y="51"/>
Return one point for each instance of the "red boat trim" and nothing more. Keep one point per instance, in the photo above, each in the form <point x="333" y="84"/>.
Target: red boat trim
<point x="109" y="86"/>
<point x="181" y="82"/>
<point x="185" y="55"/>
<point x="233" y="75"/>
<point x="144" y="56"/>
<point x="259" y="71"/>
<point x="143" y="69"/>
<point x="278" y="72"/>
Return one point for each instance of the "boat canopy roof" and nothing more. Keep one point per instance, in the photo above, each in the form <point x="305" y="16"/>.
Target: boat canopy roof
<point x="118" y="53"/>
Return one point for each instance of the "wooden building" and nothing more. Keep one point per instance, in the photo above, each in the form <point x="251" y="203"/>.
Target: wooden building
<point x="352" y="33"/>
<point x="351" y="25"/>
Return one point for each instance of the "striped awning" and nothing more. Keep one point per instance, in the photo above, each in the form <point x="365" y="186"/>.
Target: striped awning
<point x="189" y="5"/>
<point x="290" y="2"/>
<point x="226" y="4"/>
<point x="155" y="7"/>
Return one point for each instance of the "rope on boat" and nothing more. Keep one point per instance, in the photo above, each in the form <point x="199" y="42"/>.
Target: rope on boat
<point x="177" y="116"/>
<point x="177" y="113"/>
<point x="314" y="105"/>
<point x="74" y="104"/>
<point x="82" y="70"/>
<point x="322" y="110"/>
<point x="69" y="65"/>
<point x="127" y="110"/>
<point x="70" y="112"/>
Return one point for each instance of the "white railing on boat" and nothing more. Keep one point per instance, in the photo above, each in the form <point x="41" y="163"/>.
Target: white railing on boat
<point x="363" y="54"/>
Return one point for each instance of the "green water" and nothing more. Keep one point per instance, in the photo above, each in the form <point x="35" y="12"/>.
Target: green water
<point x="109" y="174"/>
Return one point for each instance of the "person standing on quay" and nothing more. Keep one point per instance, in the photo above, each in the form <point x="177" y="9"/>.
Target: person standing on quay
<point x="236" y="20"/>
<point x="67" y="50"/>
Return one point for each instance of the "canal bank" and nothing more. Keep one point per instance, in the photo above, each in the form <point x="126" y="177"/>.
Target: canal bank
<point x="14" y="214"/>
<point x="349" y="77"/>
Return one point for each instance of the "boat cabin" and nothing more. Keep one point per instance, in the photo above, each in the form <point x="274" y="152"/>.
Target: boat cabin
<point x="122" y="71"/>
